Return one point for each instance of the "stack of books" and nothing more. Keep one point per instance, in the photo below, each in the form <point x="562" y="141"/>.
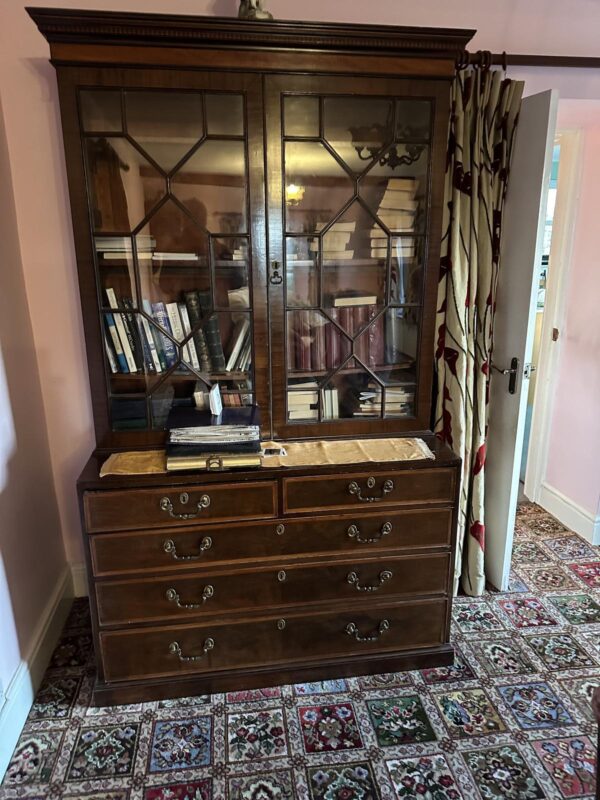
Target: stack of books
<point x="399" y="400"/>
<point x="119" y="248"/>
<point x="336" y="241"/>
<point x="397" y="211"/>
<point x="197" y="442"/>
<point x="303" y="402"/>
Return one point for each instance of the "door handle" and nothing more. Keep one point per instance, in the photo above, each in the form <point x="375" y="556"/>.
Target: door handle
<point x="512" y="372"/>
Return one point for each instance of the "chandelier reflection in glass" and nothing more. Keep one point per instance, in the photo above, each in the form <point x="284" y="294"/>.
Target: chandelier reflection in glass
<point x="367" y="143"/>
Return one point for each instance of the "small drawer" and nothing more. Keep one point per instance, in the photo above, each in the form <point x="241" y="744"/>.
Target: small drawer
<point x="171" y="506"/>
<point x="277" y="639"/>
<point x="201" y="594"/>
<point x="368" y="490"/>
<point x="188" y="548"/>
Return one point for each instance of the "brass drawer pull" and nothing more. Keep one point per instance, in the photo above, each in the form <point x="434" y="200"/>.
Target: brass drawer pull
<point x="281" y="576"/>
<point x="353" y="579"/>
<point x="354" y="489"/>
<point x="167" y="505"/>
<point x="353" y="631"/>
<point x="173" y="597"/>
<point x="280" y="530"/>
<point x="175" y="650"/>
<point x="169" y="547"/>
<point x="354" y="533"/>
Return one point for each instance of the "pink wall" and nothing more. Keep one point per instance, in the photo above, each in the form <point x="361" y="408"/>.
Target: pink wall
<point x="573" y="458"/>
<point x="32" y="556"/>
<point x="28" y="90"/>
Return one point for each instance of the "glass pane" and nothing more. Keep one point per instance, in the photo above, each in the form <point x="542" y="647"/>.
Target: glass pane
<point x="324" y="187"/>
<point x="369" y="345"/>
<point x="176" y="389"/>
<point x="100" y="111"/>
<point x="302" y="287"/>
<point x="165" y="124"/>
<point x="228" y="338"/>
<point x="301" y="116"/>
<point x="407" y="269"/>
<point x="357" y="128"/>
<point x="212" y="184"/>
<point x="395" y="188"/>
<point x="114" y="256"/>
<point x="232" y="267"/>
<point x="353" y="272"/>
<point x="315" y="345"/>
<point x="225" y="114"/>
<point x="346" y="394"/>
<point x="128" y="413"/>
<point x="122" y="184"/>
<point x="413" y="120"/>
<point x="401" y="339"/>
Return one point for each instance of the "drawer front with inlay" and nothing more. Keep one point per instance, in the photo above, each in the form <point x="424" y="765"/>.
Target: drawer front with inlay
<point x="200" y="594"/>
<point x="186" y="548"/>
<point x="368" y="490"/>
<point x="205" y="647"/>
<point x="168" y="507"/>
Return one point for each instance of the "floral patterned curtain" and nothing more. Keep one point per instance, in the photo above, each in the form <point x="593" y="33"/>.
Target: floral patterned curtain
<point x="484" y="112"/>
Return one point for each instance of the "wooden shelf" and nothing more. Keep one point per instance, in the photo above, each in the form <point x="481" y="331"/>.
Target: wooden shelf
<point x="153" y="377"/>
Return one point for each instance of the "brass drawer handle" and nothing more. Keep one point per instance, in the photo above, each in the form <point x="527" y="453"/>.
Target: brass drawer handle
<point x="354" y="533"/>
<point x="167" y="505"/>
<point x="355" y="490"/>
<point x="175" y="650"/>
<point x="169" y="547"/>
<point x="173" y="597"/>
<point x="353" y="631"/>
<point x="353" y="579"/>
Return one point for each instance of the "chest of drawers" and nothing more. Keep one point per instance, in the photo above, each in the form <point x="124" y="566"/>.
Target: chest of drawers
<point x="222" y="581"/>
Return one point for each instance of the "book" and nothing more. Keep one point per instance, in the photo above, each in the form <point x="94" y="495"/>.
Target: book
<point x="355" y="300"/>
<point x="332" y="343"/>
<point x="397" y="220"/>
<point x="401" y="184"/>
<point x="360" y="319"/>
<point x="177" y="328"/>
<point x="159" y="312"/>
<point x="303" y="338"/>
<point x="111" y="357"/>
<point x="116" y="342"/>
<point x="308" y="413"/>
<point x="376" y="349"/>
<point x="187" y="329"/>
<point x="237" y="341"/>
<point x="153" y="337"/>
<point x="192" y="304"/>
<point x="135" y="325"/>
<point x="398" y="201"/>
<point x="120" y="325"/>
<point x="212" y="334"/>
<point x="338" y="255"/>
<point x="317" y="345"/>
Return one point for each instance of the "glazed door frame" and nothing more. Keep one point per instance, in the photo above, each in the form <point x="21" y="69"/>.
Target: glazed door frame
<point x="330" y="85"/>
<point x="70" y="80"/>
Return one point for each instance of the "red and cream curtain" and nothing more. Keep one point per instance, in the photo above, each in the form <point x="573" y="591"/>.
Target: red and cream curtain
<point x="484" y="112"/>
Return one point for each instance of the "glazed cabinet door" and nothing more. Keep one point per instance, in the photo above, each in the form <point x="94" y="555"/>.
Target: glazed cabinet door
<point x="166" y="179"/>
<point x="355" y="184"/>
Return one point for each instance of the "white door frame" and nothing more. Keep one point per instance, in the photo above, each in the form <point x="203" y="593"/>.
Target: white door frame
<point x="561" y="247"/>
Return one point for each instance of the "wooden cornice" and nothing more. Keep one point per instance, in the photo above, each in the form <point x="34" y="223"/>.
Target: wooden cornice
<point x="124" y="28"/>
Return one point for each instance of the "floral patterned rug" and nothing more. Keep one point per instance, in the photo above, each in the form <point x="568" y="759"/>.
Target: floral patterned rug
<point x="511" y="719"/>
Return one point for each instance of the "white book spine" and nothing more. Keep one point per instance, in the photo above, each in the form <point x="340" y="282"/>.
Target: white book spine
<point x="147" y="333"/>
<point x="112" y="302"/>
<point x="177" y="327"/>
<point x="187" y="329"/>
<point x="237" y="345"/>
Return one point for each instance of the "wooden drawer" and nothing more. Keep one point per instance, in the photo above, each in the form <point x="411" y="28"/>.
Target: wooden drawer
<point x="168" y="506"/>
<point x="200" y="594"/>
<point x="186" y="548"/>
<point x="249" y="642"/>
<point x="368" y="490"/>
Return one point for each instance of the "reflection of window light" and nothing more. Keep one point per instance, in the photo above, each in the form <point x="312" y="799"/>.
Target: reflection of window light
<point x="294" y="194"/>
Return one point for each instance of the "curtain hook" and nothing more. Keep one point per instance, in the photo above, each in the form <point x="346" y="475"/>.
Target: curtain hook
<point x="504" y="62"/>
<point x="462" y="59"/>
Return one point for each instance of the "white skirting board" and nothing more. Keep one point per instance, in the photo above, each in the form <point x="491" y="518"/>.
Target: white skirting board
<point x="571" y="514"/>
<point x="28" y="676"/>
<point x="80" y="584"/>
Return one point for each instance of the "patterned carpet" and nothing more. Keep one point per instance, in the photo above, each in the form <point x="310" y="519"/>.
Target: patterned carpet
<point x="510" y="720"/>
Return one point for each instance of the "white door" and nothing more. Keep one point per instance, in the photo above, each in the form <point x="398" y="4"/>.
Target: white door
<point x="522" y="239"/>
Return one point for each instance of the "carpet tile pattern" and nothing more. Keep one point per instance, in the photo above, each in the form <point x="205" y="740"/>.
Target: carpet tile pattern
<point x="510" y="720"/>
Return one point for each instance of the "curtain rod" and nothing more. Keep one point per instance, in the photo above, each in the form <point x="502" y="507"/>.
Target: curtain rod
<point x="484" y="58"/>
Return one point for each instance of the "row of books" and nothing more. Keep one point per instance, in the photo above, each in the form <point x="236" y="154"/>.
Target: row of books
<point x="318" y="344"/>
<point x="119" y="248"/>
<point x="133" y="345"/>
